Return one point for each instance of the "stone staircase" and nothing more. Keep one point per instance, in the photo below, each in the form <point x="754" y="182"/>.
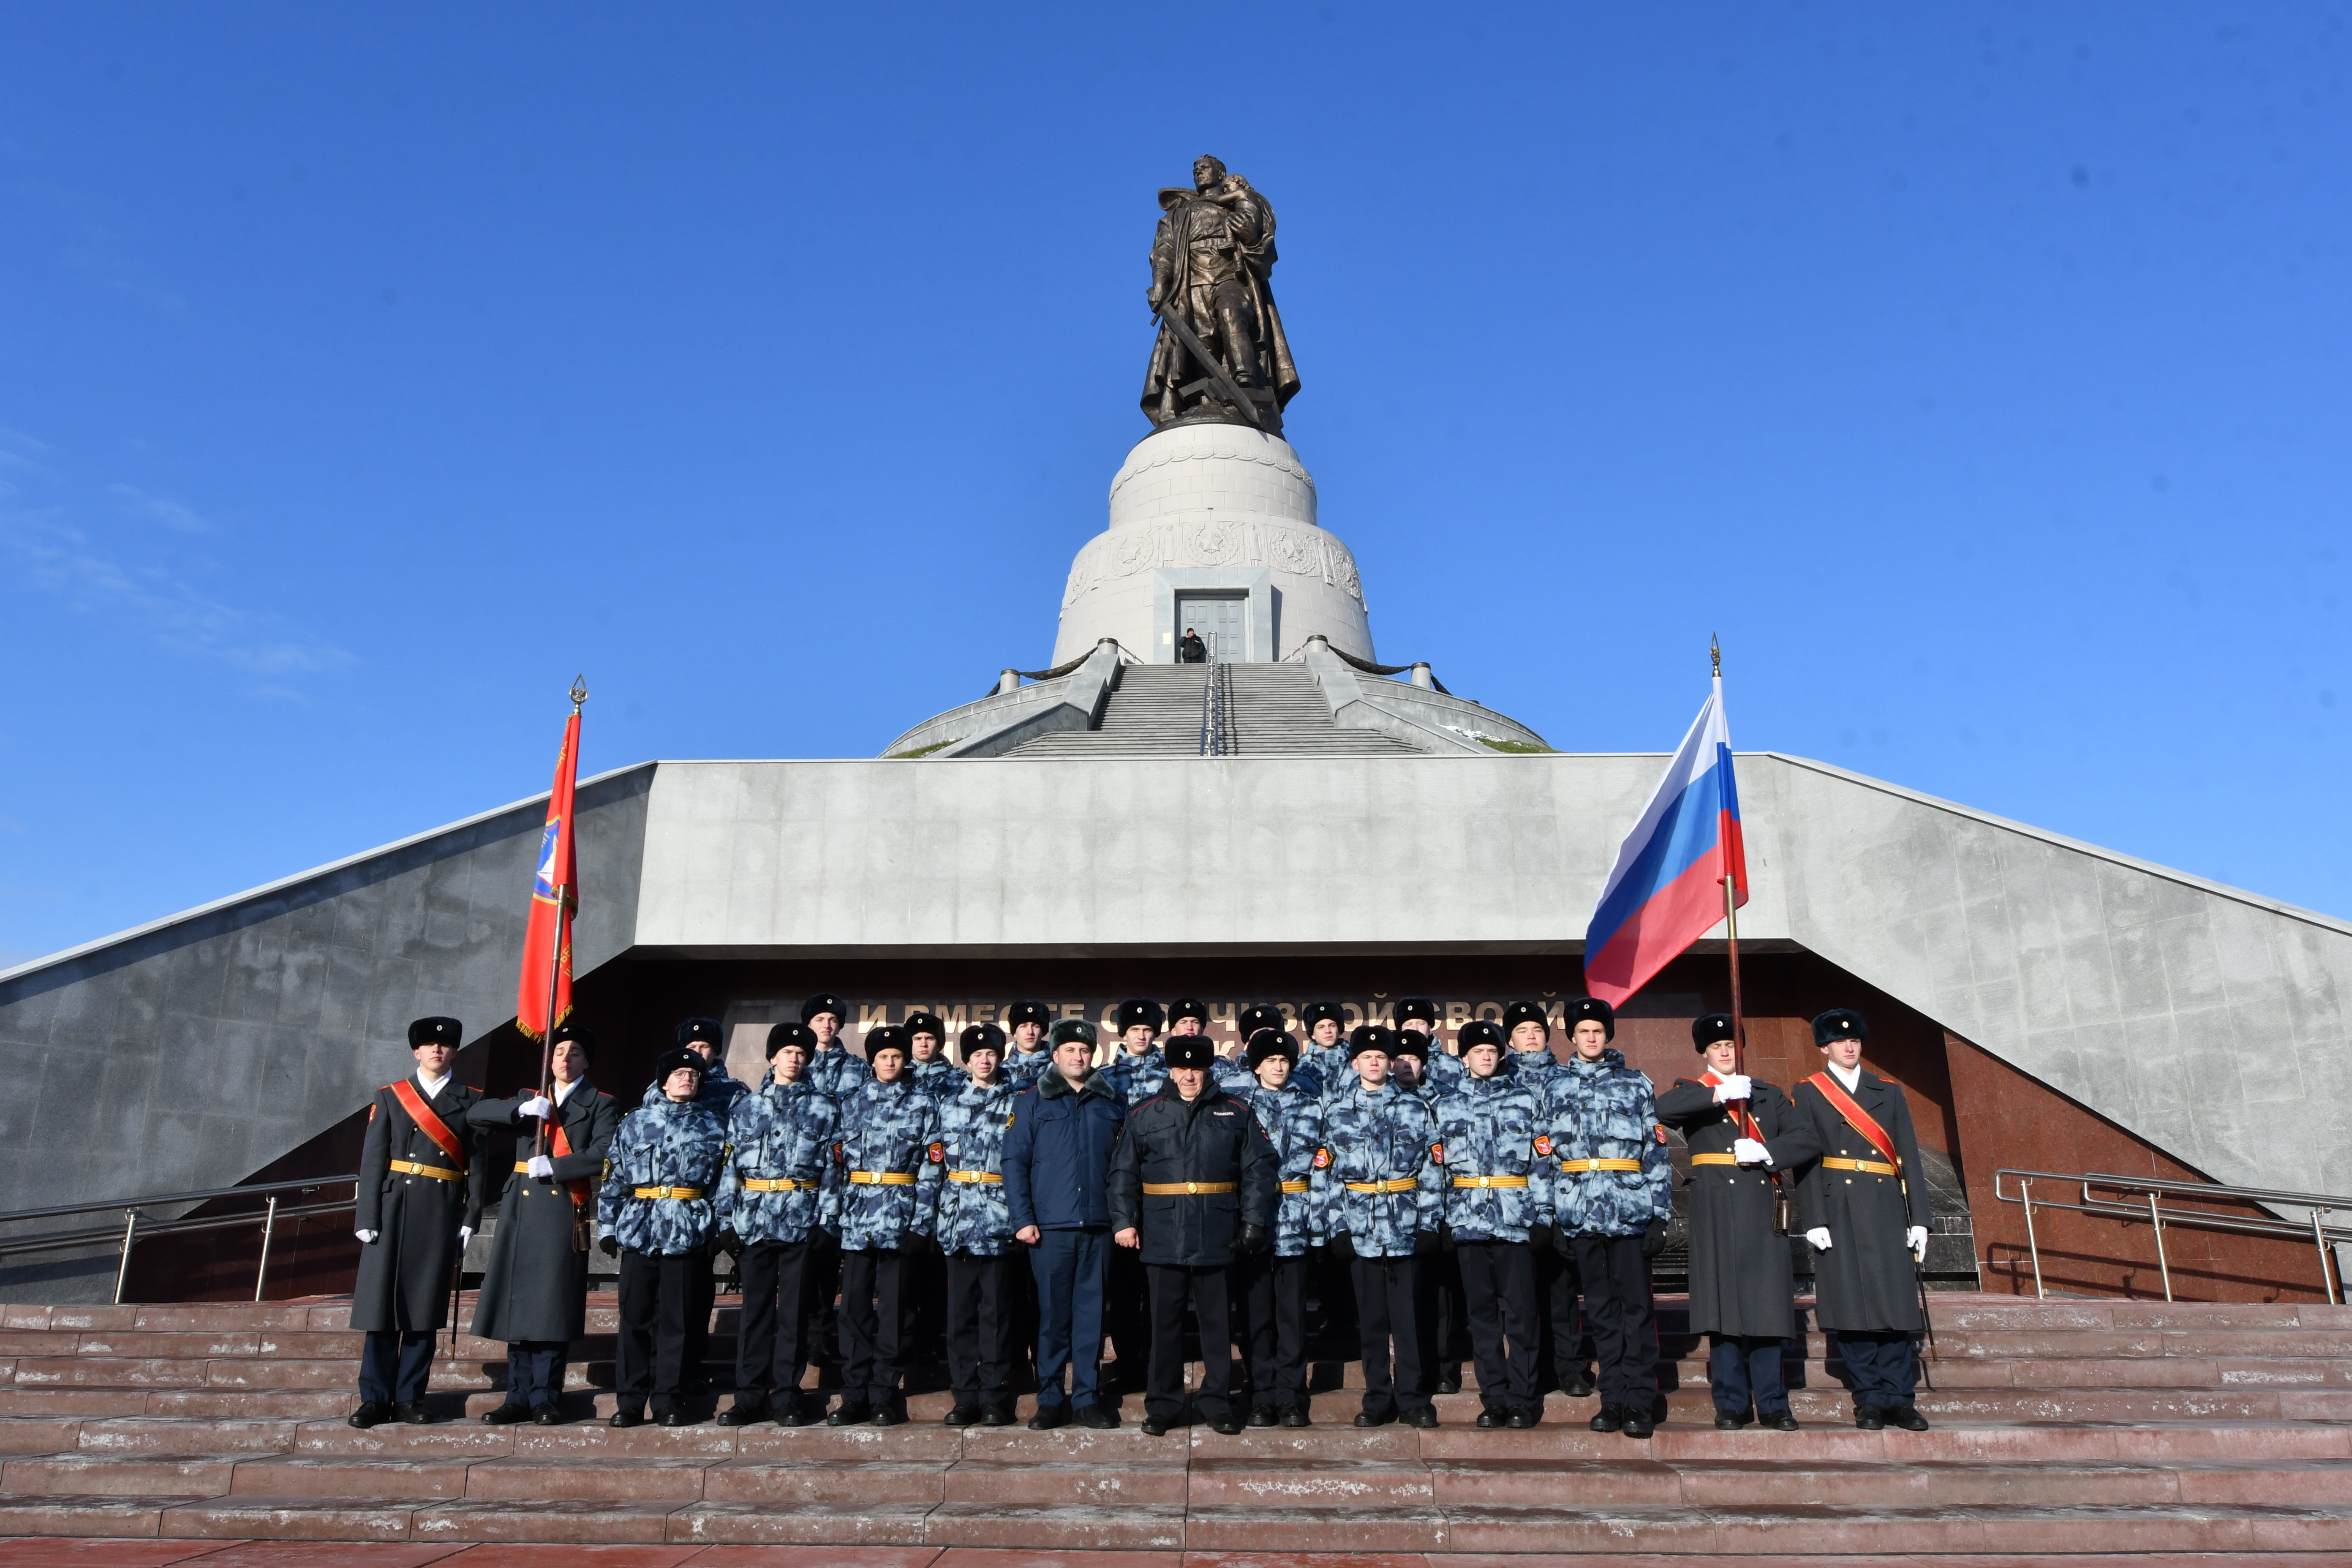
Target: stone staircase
<point x="1272" y="710"/>
<point x="2062" y="1428"/>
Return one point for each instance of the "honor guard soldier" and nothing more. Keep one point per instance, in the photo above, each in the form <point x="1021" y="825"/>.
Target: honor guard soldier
<point x="1496" y="1196"/>
<point x="975" y="1230"/>
<point x="1741" y="1132"/>
<point x="1057" y="1190"/>
<point x="891" y="1160"/>
<point x="1418" y="1015"/>
<point x="1867" y="1222"/>
<point x="1527" y="1056"/>
<point x="1137" y="1070"/>
<point x="1273" y="1290"/>
<point x="657" y="1212"/>
<point x="1029" y="1054"/>
<point x="1383" y="1202"/>
<point x="1193" y="1187"/>
<point x="779" y="1145"/>
<point x="834" y="1071"/>
<point x="1612" y="1192"/>
<point x="925" y="1282"/>
<point x="927" y="1054"/>
<point x="420" y="1197"/>
<point x="534" y="1296"/>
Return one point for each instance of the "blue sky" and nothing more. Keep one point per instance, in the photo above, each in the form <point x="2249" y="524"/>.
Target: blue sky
<point x="1979" y="373"/>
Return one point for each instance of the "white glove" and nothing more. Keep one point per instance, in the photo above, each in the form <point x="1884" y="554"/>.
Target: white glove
<point x="1736" y="1087"/>
<point x="541" y="1165"/>
<point x="1819" y="1236"/>
<point x="465" y="1235"/>
<point x="538" y="1105"/>
<point x="1749" y="1152"/>
<point x="1915" y="1241"/>
<point x="367" y="1236"/>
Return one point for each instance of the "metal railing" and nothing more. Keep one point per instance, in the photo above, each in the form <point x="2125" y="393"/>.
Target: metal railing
<point x="136" y="1224"/>
<point x="2092" y="1185"/>
<point x="1212" y="709"/>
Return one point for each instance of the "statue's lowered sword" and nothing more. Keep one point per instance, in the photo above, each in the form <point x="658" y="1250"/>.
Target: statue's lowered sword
<point x="1271" y="421"/>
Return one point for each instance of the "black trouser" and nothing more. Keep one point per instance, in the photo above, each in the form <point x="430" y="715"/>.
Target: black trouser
<point x="535" y="1372"/>
<point x="981" y="1319"/>
<point x="1331" y="1281"/>
<point x="1560" y="1328"/>
<point x="1385" y="1288"/>
<point x="926" y="1300"/>
<point x="1439" y="1310"/>
<point x="1499" y="1287"/>
<point x="1624" y="1324"/>
<point x="1883" y="1368"/>
<point x="772" y="1343"/>
<point x="657" y="1293"/>
<point x="702" y="1295"/>
<point x="823" y="1283"/>
<point x="1127" y="1316"/>
<point x="1741" y="1367"/>
<point x="396" y="1365"/>
<point x="873" y="1326"/>
<point x="1172" y="1287"/>
<point x="1274" y="1312"/>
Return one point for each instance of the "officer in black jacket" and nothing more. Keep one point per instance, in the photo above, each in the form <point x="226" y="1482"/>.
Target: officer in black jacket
<point x="420" y="1197"/>
<point x="1193" y="1184"/>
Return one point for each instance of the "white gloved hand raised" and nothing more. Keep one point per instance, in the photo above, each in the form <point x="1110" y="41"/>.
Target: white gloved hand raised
<point x="1736" y="1087"/>
<point x="1749" y="1152"/>
<point x="541" y="1165"/>
<point x="367" y="1236"/>
<point x="1819" y="1238"/>
<point x="538" y="1105"/>
<point x="1914" y="1241"/>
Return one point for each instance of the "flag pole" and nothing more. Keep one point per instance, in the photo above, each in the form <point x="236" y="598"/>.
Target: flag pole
<point x="1731" y="916"/>
<point x="579" y="695"/>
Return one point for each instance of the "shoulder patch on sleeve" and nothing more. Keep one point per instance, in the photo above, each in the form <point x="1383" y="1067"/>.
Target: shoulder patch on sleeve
<point x="1322" y="1159"/>
<point x="1543" y="1145"/>
<point x="1437" y="1153"/>
<point x="938" y="1153"/>
<point x="1661" y="1132"/>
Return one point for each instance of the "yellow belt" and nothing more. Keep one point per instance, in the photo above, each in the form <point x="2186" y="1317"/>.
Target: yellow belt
<point x="1393" y="1184"/>
<point x="1712" y="1160"/>
<point x="779" y="1185"/>
<point x="522" y="1167"/>
<point x="411" y="1168"/>
<point x="1297" y="1186"/>
<point x="1875" y="1167"/>
<point x="1184" y="1189"/>
<point x="989" y="1177"/>
<point x="1601" y="1164"/>
<point x="883" y="1178"/>
<point x="682" y="1193"/>
<point x="1490" y="1181"/>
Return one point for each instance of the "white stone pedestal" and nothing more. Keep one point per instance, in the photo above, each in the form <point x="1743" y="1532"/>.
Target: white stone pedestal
<point x="1217" y="509"/>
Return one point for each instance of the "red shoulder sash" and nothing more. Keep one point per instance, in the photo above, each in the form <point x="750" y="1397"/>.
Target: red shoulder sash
<point x="431" y="1125"/>
<point x="1740" y="1117"/>
<point x="562" y="1146"/>
<point x="1858" y="1118"/>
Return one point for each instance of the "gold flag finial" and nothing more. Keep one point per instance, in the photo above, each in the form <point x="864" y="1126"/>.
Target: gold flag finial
<point x="1714" y="652"/>
<point x="579" y="691"/>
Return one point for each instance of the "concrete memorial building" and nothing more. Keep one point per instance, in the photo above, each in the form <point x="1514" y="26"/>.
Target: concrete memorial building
<point x="1287" y="820"/>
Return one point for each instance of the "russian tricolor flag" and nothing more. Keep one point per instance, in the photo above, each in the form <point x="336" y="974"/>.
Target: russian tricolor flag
<point x="1667" y="889"/>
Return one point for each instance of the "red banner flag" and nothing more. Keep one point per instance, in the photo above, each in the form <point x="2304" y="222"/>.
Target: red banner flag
<point x="543" y="997"/>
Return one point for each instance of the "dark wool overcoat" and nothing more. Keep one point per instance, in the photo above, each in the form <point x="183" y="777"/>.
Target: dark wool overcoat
<point x="1866" y="1281"/>
<point x="537" y="1284"/>
<point x="404" y="1273"/>
<point x="1740" y="1279"/>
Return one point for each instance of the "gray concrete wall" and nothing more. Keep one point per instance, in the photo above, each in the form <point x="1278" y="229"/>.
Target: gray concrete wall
<point x="189" y="1053"/>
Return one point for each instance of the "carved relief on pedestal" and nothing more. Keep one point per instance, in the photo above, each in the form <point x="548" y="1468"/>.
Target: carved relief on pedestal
<point x="1207" y="542"/>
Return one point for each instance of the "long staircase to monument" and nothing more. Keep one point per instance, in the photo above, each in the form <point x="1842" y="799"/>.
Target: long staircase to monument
<point x="2087" y="1431"/>
<point x="1276" y="710"/>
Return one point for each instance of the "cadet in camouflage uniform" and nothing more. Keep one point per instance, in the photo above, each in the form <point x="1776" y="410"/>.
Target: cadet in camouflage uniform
<point x="925" y="1350"/>
<point x="657" y="1212"/>
<point x="1028" y="1055"/>
<point x="1137" y="1070"/>
<point x="974" y="1228"/>
<point x="780" y="1147"/>
<point x="1229" y="1071"/>
<point x="927" y="1062"/>
<point x="1418" y="1015"/>
<point x="1497" y="1194"/>
<point x="1559" y="1355"/>
<point x="1612" y="1192"/>
<point x="836" y="1072"/>
<point x="719" y="1094"/>
<point x="1322" y="1054"/>
<point x="1273" y="1284"/>
<point x="1382" y="1205"/>
<point x="1439" y="1311"/>
<point x="891" y="1161"/>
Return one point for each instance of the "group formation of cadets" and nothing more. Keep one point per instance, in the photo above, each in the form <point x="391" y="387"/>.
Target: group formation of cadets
<point x="1365" y="1192"/>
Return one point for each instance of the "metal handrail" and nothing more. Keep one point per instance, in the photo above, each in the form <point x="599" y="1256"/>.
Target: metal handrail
<point x="135" y="1225"/>
<point x="1212" y="709"/>
<point x="2155" y="1189"/>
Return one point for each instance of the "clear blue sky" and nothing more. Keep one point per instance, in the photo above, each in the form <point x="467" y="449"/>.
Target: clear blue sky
<point x="1979" y="372"/>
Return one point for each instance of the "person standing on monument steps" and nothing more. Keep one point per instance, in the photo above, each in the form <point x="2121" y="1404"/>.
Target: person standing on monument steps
<point x="534" y="1296"/>
<point x="834" y="1071"/>
<point x="1027" y="1057"/>
<point x="1138" y="1069"/>
<point x="420" y="1197"/>
<point x="1862" y="1204"/>
<point x="1273" y="1280"/>
<point x="1559" y="1355"/>
<point x="975" y="1232"/>
<point x="1612" y="1193"/>
<point x="891" y="1160"/>
<point x="1191" y="649"/>
<point x="654" y="1208"/>
<point x="779" y="1147"/>
<point x="1742" y="1131"/>
<point x="720" y="1093"/>
<point x="1383" y="1203"/>
<point x="933" y="1074"/>
<point x="1193" y="1187"/>
<point x="1497" y="1195"/>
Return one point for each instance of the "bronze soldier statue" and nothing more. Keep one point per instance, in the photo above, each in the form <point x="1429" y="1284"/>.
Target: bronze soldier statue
<point x="1210" y="265"/>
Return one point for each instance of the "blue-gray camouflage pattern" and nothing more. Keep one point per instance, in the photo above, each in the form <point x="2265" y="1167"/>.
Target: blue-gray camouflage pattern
<point x="973" y="1217"/>
<point x="886" y="1128"/>
<point x="1138" y="1077"/>
<point x="781" y="1131"/>
<point x="669" y="1144"/>
<point x="719" y="1094"/>
<point x="1606" y="1110"/>
<point x="938" y="1077"/>
<point x="1487" y="1126"/>
<point x="837" y="1071"/>
<point x="1380" y="1136"/>
<point x="1293" y="1119"/>
<point x="1023" y="1069"/>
